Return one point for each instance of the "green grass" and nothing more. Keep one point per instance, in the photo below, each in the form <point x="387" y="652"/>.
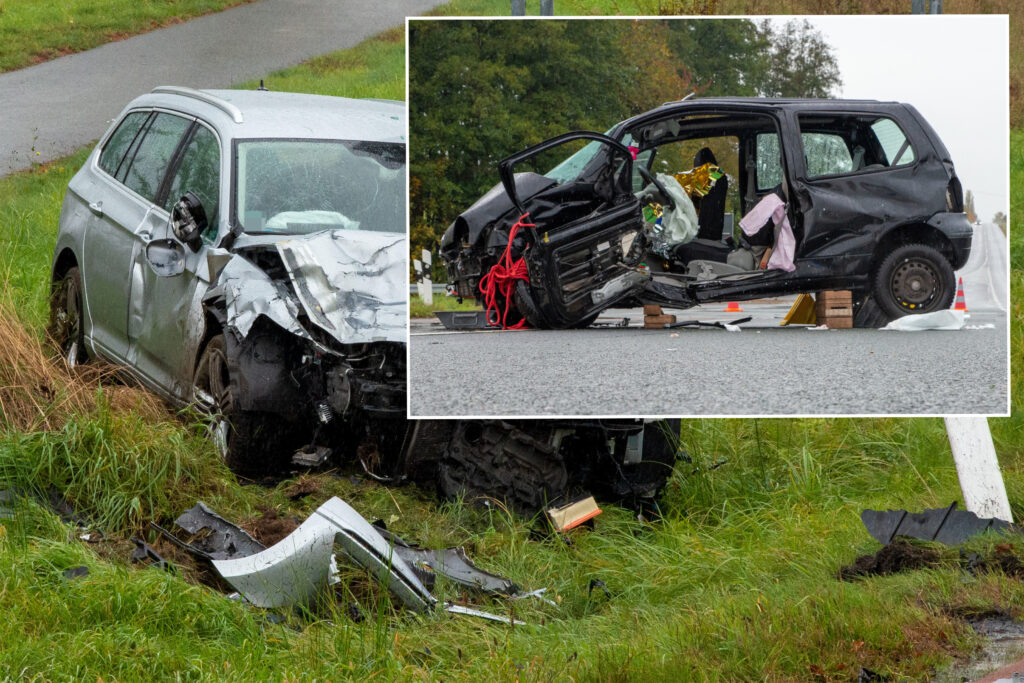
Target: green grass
<point x="736" y="583"/>
<point x="39" y="30"/>
<point x="418" y="309"/>
<point x="374" y="68"/>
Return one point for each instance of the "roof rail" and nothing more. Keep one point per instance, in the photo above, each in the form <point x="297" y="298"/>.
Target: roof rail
<point x="231" y="110"/>
<point x="682" y="100"/>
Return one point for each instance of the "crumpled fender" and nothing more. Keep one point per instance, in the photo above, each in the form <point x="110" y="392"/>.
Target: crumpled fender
<point x="350" y="283"/>
<point x="294" y="570"/>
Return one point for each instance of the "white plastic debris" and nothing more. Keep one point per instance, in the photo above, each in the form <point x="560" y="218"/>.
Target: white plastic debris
<point x="938" y="320"/>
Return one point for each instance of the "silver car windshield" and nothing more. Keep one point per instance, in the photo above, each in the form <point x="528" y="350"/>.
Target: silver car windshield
<point x="299" y="187"/>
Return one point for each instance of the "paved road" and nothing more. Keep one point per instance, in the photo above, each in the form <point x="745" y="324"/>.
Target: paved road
<point x="763" y="369"/>
<point x="56" y="107"/>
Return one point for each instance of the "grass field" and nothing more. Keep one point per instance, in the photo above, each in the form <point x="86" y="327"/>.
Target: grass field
<point x="36" y="31"/>
<point x="738" y="582"/>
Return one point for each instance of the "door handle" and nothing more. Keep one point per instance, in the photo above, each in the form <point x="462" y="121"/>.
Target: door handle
<point x="96" y="208"/>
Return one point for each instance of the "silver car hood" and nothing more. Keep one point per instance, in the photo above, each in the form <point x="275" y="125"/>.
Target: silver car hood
<point x="350" y="283"/>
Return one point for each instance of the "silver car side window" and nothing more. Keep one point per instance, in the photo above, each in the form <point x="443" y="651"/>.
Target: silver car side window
<point x="149" y="166"/>
<point x="122" y="138"/>
<point x="199" y="172"/>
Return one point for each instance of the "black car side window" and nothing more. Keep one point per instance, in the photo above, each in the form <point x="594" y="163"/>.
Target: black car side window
<point x="199" y="172"/>
<point x="769" y="161"/>
<point x="149" y="165"/>
<point x="113" y="152"/>
<point x="841" y="144"/>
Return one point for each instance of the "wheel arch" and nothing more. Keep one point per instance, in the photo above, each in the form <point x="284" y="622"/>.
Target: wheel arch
<point x="911" y="233"/>
<point x="65" y="261"/>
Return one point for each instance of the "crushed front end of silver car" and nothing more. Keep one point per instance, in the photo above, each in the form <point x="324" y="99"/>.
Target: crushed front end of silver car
<point x="314" y="331"/>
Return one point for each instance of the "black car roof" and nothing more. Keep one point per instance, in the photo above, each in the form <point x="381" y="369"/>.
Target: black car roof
<point x="761" y="103"/>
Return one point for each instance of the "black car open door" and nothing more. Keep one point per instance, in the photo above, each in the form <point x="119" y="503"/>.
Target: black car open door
<point x="584" y="226"/>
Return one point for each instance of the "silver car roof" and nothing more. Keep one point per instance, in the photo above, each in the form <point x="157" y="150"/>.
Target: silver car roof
<point x="266" y="114"/>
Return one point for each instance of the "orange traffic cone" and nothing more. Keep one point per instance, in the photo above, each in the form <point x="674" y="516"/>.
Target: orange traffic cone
<point x="733" y="307"/>
<point x="961" y="303"/>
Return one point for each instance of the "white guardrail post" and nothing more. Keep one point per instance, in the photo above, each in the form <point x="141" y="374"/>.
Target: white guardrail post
<point x="977" y="467"/>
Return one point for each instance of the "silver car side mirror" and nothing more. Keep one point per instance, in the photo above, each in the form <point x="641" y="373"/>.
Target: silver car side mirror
<point x="166" y="257"/>
<point x="188" y="220"/>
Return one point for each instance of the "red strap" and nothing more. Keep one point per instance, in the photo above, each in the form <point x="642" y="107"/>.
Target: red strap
<point x="501" y="278"/>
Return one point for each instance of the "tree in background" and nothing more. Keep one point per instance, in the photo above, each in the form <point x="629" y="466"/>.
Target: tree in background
<point x="1000" y="220"/>
<point x="481" y="90"/>
<point x="972" y="216"/>
<point x="798" y="62"/>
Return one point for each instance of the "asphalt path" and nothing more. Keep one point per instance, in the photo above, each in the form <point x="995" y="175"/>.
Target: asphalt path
<point x="763" y="369"/>
<point x="51" y="109"/>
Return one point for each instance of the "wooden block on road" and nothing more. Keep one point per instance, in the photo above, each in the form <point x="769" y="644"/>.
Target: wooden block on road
<point x="652" y="309"/>
<point x="658" y="321"/>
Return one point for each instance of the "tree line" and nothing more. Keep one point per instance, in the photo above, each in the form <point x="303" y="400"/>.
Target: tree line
<point x="482" y="90"/>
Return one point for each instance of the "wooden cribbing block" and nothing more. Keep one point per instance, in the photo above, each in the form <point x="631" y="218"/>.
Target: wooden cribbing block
<point x="834" y="309"/>
<point x="652" y="309"/>
<point x="655" y="321"/>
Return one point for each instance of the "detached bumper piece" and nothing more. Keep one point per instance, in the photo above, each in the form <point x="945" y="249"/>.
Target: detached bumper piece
<point x="945" y="525"/>
<point x="302" y="565"/>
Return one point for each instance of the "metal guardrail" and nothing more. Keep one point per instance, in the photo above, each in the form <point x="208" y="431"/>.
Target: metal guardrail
<point x="437" y="288"/>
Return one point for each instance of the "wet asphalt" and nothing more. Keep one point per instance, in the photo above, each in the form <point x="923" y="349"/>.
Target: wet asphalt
<point x="763" y="369"/>
<point x="56" y="107"/>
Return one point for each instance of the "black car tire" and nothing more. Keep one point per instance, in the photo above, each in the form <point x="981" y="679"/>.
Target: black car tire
<point x="522" y="299"/>
<point x="914" y="278"/>
<point x="250" y="442"/>
<point x="868" y="315"/>
<point x="66" y="328"/>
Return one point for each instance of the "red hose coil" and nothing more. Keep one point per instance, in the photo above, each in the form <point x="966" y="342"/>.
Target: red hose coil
<point x="501" y="279"/>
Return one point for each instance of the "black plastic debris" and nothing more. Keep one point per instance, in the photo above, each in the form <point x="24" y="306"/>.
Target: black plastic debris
<point x="702" y="323"/>
<point x="213" y="537"/>
<point x="452" y="563"/>
<point x="144" y="554"/>
<point x="464" y="320"/>
<point x="76" y="573"/>
<point x="598" y="583"/>
<point x="868" y="676"/>
<point x="945" y="525"/>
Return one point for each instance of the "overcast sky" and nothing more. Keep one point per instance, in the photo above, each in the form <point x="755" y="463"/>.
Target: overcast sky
<point x="952" y="68"/>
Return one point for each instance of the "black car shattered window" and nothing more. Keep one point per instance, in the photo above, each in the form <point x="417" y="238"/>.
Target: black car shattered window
<point x="305" y="186"/>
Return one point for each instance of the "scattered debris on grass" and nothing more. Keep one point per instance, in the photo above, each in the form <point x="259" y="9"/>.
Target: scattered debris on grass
<point x="145" y="555"/>
<point x="900" y="555"/>
<point x="945" y="525"/>
<point x="302" y="564"/>
<point x="573" y="514"/>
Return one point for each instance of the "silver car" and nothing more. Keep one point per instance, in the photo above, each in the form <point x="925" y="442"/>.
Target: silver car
<point x="245" y="251"/>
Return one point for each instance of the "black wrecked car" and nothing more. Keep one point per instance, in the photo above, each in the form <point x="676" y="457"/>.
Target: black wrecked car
<point x="833" y="194"/>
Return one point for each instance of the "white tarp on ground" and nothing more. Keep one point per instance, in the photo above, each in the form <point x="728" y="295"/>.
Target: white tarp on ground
<point x="984" y="274"/>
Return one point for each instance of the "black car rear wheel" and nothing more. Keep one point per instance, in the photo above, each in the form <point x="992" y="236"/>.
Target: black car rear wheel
<point x="914" y="278"/>
<point x="66" y="328"/>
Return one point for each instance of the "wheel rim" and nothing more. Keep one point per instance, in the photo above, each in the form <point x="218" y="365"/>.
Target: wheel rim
<point x="213" y="397"/>
<point x="915" y="284"/>
<point x="70" y="325"/>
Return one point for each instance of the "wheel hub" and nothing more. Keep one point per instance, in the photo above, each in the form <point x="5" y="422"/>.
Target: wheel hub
<point x="915" y="284"/>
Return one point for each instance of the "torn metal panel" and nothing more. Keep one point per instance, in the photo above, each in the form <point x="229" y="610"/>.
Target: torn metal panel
<point x="215" y="538"/>
<point x="249" y="293"/>
<point x="295" y="569"/>
<point x="350" y="283"/>
<point x="945" y="525"/>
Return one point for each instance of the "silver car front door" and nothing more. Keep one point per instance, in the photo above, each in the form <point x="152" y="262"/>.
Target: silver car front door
<point x="112" y="240"/>
<point x="166" y="318"/>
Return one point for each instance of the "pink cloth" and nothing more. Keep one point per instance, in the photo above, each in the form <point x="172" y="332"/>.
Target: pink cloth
<point x="634" y="151"/>
<point x="784" y="249"/>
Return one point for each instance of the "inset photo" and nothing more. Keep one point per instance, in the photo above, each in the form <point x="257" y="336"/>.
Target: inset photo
<point x="708" y="217"/>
